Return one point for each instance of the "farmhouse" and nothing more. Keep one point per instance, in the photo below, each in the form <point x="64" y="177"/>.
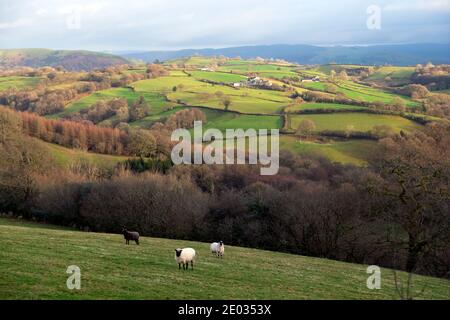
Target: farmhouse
<point x="206" y="69"/>
<point x="258" y="82"/>
<point x="315" y="79"/>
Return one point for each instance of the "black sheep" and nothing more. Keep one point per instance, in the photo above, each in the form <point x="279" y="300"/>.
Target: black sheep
<point x="130" y="235"/>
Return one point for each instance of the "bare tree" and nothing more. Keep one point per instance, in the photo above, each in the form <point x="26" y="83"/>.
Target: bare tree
<point x="306" y="127"/>
<point x="415" y="191"/>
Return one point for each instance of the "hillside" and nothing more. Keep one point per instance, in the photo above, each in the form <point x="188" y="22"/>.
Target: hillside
<point x="65" y="157"/>
<point x="407" y="54"/>
<point x="191" y="83"/>
<point x="72" y="60"/>
<point x="35" y="258"/>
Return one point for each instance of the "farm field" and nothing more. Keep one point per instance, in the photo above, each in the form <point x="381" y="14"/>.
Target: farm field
<point x="397" y="74"/>
<point x="326" y="69"/>
<point x="149" y="120"/>
<point x="360" y="121"/>
<point x="185" y="87"/>
<point x="277" y="74"/>
<point x="367" y="94"/>
<point x="244" y="68"/>
<point x="18" y="82"/>
<point x="64" y="157"/>
<point x="196" y="93"/>
<point x="35" y="258"/>
<point x="360" y="92"/>
<point x="321" y="86"/>
<point x="322" y="106"/>
<point x="166" y="84"/>
<point x="355" y="152"/>
<point x="157" y="101"/>
<point x="226" y="120"/>
<point x="217" y="76"/>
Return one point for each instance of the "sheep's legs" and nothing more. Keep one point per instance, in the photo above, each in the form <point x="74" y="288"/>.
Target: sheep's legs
<point x="192" y="265"/>
<point x="179" y="266"/>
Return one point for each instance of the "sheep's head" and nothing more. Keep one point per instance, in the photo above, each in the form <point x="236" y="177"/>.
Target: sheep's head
<point x="124" y="230"/>
<point x="178" y="252"/>
<point x="221" y="243"/>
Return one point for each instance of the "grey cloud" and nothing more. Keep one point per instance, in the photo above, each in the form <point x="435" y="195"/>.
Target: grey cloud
<point x="155" y="24"/>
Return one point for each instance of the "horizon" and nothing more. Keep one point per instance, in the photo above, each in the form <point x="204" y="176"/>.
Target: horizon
<point x="156" y="25"/>
<point x="125" y="51"/>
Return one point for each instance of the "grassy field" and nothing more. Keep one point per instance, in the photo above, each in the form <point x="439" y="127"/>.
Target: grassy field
<point x="400" y="75"/>
<point x="218" y="76"/>
<point x="368" y="94"/>
<point x="360" y="121"/>
<point x="326" y="69"/>
<point x="157" y="101"/>
<point x="226" y="120"/>
<point x="278" y="74"/>
<point x="35" y="258"/>
<point x="321" y="86"/>
<point x="355" y="152"/>
<point x="64" y="157"/>
<point x="18" y="82"/>
<point x="264" y="70"/>
<point x="197" y="93"/>
<point x="149" y="120"/>
<point x="323" y="106"/>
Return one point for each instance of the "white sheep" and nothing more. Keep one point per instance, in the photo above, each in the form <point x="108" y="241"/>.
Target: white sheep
<point x="184" y="256"/>
<point x="218" y="248"/>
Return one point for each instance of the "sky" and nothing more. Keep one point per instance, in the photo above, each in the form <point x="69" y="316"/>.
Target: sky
<point x="132" y="25"/>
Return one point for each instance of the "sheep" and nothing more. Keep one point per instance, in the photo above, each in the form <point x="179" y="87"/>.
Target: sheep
<point x="184" y="256"/>
<point x="130" y="235"/>
<point x="218" y="248"/>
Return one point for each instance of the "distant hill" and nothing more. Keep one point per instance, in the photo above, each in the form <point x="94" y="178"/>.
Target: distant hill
<point x="402" y="55"/>
<point x="72" y="60"/>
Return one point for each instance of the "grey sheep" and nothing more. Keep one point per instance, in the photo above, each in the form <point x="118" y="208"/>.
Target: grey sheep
<point x="130" y="235"/>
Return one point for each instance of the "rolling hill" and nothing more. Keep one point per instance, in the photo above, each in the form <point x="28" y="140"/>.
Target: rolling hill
<point x="35" y="258"/>
<point x="72" y="60"/>
<point x="405" y="54"/>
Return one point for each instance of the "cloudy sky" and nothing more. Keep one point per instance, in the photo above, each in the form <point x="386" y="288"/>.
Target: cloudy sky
<point x="174" y="24"/>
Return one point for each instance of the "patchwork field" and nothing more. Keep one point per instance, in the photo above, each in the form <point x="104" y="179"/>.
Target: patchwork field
<point x="35" y="258"/>
<point x="225" y="120"/>
<point x="321" y="86"/>
<point x="311" y="106"/>
<point x="156" y="100"/>
<point x="355" y="152"/>
<point x="197" y="93"/>
<point x="187" y="86"/>
<point x="218" y="76"/>
<point x="359" y="121"/>
<point x="368" y="94"/>
<point x="18" y="82"/>
<point x="397" y="74"/>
